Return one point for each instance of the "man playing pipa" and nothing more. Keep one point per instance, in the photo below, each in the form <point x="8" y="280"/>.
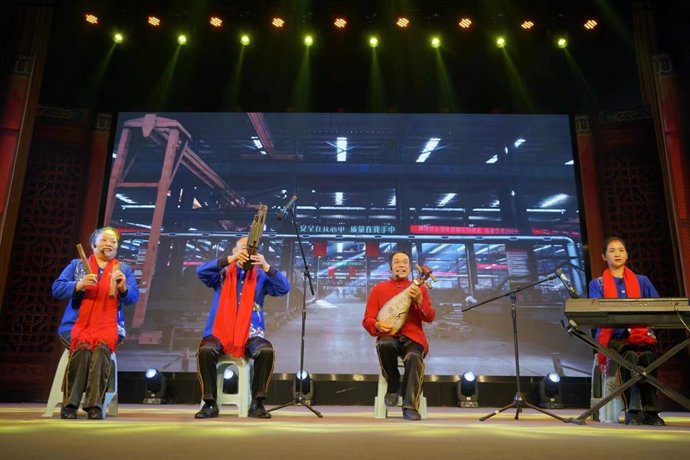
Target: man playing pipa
<point x="390" y="302"/>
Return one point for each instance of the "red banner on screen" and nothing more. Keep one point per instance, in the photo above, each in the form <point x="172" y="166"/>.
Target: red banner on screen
<point x="456" y="230"/>
<point x="372" y="249"/>
<point x="319" y="248"/>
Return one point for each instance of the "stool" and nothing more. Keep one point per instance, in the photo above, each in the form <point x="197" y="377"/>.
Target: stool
<point x="55" y="397"/>
<point x="380" y="408"/>
<point x="603" y="385"/>
<point x="243" y="398"/>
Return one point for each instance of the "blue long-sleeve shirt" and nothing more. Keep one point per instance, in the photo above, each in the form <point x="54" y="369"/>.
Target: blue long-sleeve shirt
<point x="64" y="289"/>
<point x="273" y="283"/>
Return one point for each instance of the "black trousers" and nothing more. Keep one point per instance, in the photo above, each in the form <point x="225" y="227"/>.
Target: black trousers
<point x="389" y="349"/>
<point x="87" y="373"/>
<point x="643" y="356"/>
<point x="257" y="348"/>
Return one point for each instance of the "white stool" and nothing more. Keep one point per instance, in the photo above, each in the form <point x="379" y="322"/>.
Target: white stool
<point x="380" y="408"/>
<point x="602" y="386"/>
<point x="243" y="398"/>
<point x="55" y="396"/>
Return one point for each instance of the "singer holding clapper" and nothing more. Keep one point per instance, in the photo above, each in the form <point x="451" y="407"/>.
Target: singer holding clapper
<point x="236" y="324"/>
<point x="93" y="323"/>
<point x="637" y="344"/>
<point x="409" y="342"/>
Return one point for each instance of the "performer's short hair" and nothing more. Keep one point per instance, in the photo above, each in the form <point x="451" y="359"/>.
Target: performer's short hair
<point x="96" y="233"/>
<point x="390" y="258"/>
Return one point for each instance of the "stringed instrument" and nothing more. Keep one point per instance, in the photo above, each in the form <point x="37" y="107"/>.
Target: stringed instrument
<point x="255" y="233"/>
<point x="394" y="312"/>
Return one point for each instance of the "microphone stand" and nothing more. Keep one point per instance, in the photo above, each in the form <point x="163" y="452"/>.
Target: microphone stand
<point x="519" y="401"/>
<point x="299" y="394"/>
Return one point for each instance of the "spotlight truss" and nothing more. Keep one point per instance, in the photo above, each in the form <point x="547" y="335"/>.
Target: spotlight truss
<point x="341" y="22"/>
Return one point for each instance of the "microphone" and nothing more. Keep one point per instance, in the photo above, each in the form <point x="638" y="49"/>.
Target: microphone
<point x="564" y="279"/>
<point x="282" y="212"/>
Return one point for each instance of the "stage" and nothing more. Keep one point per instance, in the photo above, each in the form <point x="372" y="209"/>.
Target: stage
<point x="345" y="432"/>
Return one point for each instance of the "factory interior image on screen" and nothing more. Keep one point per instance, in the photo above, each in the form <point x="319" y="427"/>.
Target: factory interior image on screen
<point x="488" y="202"/>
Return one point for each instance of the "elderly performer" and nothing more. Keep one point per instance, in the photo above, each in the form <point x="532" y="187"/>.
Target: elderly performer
<point x="235" y="324"/>
<point x="409" y="342"/>
<point x="93" y="322"/>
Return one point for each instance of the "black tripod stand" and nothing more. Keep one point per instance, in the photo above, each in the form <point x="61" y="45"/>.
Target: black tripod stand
<point x="519" y="401"/>
<point x="299" y="393"/>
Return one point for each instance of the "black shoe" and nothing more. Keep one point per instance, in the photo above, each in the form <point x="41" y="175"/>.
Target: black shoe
<point x="257" y="410"/>
<point x="68" y="413"/>
<point x="633" y="418"/>
<point x="653" y="419"/>
<point x="411" y="414"/>
<point x="391" y="399"/>
<point x="208" y="410"/>
<point x="94" y="413"/>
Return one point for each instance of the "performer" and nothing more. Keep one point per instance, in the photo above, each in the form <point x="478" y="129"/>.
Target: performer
<point x="410" y="342"/>
<point x="235" y="324"/>
<point x="637" y="344"/>
<point x="93" y="322"/>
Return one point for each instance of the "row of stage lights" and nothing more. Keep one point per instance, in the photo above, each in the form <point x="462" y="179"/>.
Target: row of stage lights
<point x="155" y="388"/>
<point x="341" y="23"/>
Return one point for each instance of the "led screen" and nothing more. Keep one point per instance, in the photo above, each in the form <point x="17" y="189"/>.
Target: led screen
<point x="488" y="202"/>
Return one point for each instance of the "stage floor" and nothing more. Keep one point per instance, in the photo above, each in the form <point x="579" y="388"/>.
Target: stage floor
<point x="345" y="432"/>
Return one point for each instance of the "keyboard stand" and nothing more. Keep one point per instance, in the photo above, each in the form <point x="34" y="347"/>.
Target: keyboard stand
<point x="637" y="373"/>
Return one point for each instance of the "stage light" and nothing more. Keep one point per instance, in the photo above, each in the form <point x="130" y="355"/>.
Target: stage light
<point x="468" y="390"/>
<point x="230" y="381"/>
<point x="500" y="42"/>
<point x="308" y="40"/>
<point x="91" y="18"/>
<point x="373" y="42"/>
<point x="340" y="23"/>
<point x="402" y="22"/>
<point x="465" y="23"/>
<point x="215" y="21"/>
<point x="562" y="42"/>
<point x="245" y="40"/>
<point x="154" y="21"/>
<point x="550" y="392"/>
<point x="118" y="37"/>
<point x="155" y="388"/>
<point x="435" y="42"/>
<point x="590" y="24"/>
<point x="277" y="22"/>
<point x="304" y="384"/>
<point x="527" y="25"/>
<point x="182" y="39"/>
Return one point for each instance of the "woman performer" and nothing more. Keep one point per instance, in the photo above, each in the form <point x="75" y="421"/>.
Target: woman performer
<point x="93" y="324"/>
